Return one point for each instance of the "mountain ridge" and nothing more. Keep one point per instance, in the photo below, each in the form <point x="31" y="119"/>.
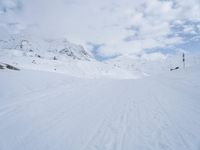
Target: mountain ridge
<point x="62" y="56"/>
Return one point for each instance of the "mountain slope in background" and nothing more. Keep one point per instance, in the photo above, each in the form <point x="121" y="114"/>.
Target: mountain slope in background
<point x="154" y="63"/>
<point x="45" y="48"/>
<point x="55" y="55"/>
<point x="62" y="56"/>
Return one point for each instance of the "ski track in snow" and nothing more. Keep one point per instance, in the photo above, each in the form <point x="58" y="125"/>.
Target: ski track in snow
<point x="146" y="114"/>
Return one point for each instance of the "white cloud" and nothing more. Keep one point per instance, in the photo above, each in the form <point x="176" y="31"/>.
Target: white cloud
<point x="122" y="26"/>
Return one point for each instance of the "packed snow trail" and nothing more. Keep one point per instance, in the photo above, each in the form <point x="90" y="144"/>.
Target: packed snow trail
<point x="48" y="111"/>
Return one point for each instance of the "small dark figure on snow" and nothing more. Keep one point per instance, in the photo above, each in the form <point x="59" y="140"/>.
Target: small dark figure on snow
<point x="174" y="68"/>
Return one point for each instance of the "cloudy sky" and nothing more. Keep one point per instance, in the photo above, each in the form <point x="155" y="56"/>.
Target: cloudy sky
<point x="108" y="27"/>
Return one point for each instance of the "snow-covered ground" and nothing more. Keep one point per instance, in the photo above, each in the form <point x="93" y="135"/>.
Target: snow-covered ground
<point x="61" y="56"/>
<point x="50" y="111"/>
<point x="62" y="98"/>
<point x="57" y="55"/>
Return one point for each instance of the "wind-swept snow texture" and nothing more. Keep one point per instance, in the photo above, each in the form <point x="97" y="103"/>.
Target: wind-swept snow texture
<point x="49" y="111"/>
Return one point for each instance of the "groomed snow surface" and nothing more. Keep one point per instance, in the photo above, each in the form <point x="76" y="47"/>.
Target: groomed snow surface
<point x="50" y="111"/>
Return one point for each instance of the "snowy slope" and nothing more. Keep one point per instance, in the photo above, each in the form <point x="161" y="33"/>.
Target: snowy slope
<point x="154" y="63"/>
<point x="56" y="55"/>
<point x="41" y="110"/>
<point x="61" y="56"/>
<point x="34" y="46"/>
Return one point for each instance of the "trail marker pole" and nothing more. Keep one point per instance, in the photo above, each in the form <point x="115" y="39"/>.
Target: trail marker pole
<point x="183" y="60"/>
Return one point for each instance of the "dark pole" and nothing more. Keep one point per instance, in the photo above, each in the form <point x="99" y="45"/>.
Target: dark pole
<point x="184" y="60"/>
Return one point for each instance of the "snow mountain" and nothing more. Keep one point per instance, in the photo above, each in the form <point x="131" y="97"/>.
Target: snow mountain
<point x="45" y="48"/>
<point x="61" y="56"/>
<point x="56" y="55"/>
